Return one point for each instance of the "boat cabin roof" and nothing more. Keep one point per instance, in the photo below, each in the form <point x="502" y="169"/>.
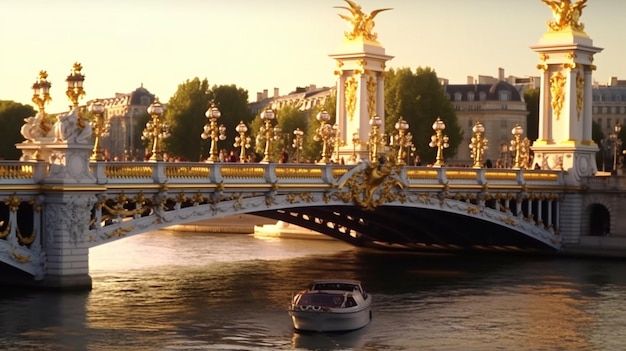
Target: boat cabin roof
<point x="342" y="285"/>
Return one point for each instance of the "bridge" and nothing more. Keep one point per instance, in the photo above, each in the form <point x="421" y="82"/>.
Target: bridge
<point x="48" y="227"/>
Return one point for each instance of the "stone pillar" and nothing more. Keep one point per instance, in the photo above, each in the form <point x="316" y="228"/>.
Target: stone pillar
<point x="360" y="91"/>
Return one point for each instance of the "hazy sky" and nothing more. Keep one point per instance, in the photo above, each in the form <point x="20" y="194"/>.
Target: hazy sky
<point x="262" y="44"/>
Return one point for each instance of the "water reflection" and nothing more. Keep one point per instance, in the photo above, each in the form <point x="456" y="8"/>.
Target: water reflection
<point x="176" y="291"/>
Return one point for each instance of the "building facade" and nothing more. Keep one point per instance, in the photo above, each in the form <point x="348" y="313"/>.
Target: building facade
<point x="122" y="112"/>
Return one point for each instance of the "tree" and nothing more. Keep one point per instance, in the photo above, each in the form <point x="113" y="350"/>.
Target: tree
<point x="12" y="116"/>
<point x="531" y="96"/>
<point x="185" y="114"/>
<point x="419" y="98"/>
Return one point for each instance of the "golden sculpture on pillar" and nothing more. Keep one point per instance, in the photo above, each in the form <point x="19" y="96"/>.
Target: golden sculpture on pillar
<point x="361" y="24"/>
<point x="41" y="96"/>
<point x="478" y="145"/>
<point x="566" y="14"/>
<point x="100" y="128"/>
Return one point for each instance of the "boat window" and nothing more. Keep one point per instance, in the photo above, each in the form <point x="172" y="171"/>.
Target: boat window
<point x="350" y="302"/>
<point x="321" y="299"/>
<point x="335" y="286"/>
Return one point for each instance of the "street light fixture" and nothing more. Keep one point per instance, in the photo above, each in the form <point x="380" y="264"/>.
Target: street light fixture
<point x="440" y="141"/>
<point x="75" y="89"/>
<point x="100" y="129"/>
<point x="478" y="145"/>
<point x="242" y="140"/>
<point x="375" y="138"/>
<point x="521" y="148"/>
<point x="355" y="141"/>
<point x="617" y="143"/>
<point x="325" y="134"/>
<point x="41" y="96"/>
<point x="268" y="133"/>
<point x="156" y="130"/>
<point x="297" y="142"/>
<point x="400" y="139"/>
<point x="211" y="130"/>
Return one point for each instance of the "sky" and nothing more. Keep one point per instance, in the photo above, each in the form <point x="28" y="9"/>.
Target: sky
<point x="267" y="44"/>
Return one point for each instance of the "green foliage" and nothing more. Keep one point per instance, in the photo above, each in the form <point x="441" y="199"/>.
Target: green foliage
<point x="185" y="112"/>
<point x="12" y="116"/>
<point x="531" y="96"/>
<point x="419" y="98"/>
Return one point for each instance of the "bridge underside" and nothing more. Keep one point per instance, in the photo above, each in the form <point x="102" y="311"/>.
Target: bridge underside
<point x="417" y="229"/>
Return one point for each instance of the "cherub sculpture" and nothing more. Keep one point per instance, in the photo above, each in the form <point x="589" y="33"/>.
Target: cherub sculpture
<point x="361" y="23"/>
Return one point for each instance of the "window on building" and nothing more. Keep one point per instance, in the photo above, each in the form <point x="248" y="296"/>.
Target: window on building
<point x="145" y="100"/>
<point x="470" y="96"/>
<point x="504" y="95"/>
<point x="608" y="124"/>
<point x="470" y="123"/>
<point x="595" y="110"/>
<point x="458" y="96"/>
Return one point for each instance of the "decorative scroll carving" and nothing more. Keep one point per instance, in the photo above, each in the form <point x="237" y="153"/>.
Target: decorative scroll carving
<point x="351" y="87"/>
<point x="377" y="178"/>
<point x="580" y="86"/>
<point x="371" y="95"/>
<point x="557" y="91"/>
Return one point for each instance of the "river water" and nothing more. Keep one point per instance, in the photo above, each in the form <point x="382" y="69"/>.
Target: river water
<point x="192" y="291"/>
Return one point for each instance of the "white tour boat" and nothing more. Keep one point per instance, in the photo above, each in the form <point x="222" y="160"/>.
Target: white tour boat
<point x="331" y="305"/>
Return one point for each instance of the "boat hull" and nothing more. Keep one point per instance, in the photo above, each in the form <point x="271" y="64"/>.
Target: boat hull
<point x="325" y="321"/>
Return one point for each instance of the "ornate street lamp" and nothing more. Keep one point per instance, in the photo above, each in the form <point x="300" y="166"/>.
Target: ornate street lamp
<point x="75" y="89"/>
<point x="297" y="142"/>
<point x="268" y="133"/>
<point x="400" y="139"/>
<point x="375" y="139"/>
<point x="617" y="143"/>
<point x="156" y="130"/>
<point x="440" y="141"/>
<point x="100" y="129"/>
<point x="41" y="96"/>
<point x="242" y="140"/>
<point x="478" y="145"/>
<point x="325" y="134"/>
<point x="338" y="142"/>
<point x="410" y="147"/>
<point x="213" y="131"/>
<point x="521" y="148"/>
<point x="355" y="141"/>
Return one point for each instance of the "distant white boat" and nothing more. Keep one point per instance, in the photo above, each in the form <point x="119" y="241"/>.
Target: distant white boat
<point x="286" y="230"/>
<point x="331" y="305"/>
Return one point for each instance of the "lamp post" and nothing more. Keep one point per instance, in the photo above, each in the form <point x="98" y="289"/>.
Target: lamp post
<point x="355" y="141"/>
<point x="325" y="134"/>
<point x="297" y="142"/>
<point x="268" y="133"/>
<point x="156" y="130"/>
<point x="400" y="139"/>
<point x="41" y="96"/>
<point x="410" y="147"/>
<point x="242" y="140"/>
<point x="375" y="138"/>
<point x="521" y="148"/>
<point x="440" y="141"/>
<point x="504" y="155"/>
<point x="338" y="143"/>
<point x="100" y="129"/>
<point x="75" y="89"/>
<point x="617" y="143"/>
<point x="478" y="145"/>
<point x="211" y="130"/>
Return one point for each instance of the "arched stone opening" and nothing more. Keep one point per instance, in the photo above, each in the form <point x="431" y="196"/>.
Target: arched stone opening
<point x="599" y="220"/>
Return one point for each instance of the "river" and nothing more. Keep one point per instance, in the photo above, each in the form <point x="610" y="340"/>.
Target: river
<point x="194" y="291"/>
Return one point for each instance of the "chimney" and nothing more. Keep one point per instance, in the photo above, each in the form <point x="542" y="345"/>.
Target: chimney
<point x="613" y="81"/>
<point x="470" y="80"/>
<point x="276" y="95"/>
<point x="264" y="94"/>
<point x="500" y="74"/>
<point x="259" y="96"/>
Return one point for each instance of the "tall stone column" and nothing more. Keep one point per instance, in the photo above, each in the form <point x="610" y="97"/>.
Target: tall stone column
<point x="361" y="64"/>
<point x="566" y="61"/>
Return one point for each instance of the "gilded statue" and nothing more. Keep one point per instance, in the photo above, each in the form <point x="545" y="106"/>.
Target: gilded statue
<point x="361" y="24"/>
<point x="566" y="14"/>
